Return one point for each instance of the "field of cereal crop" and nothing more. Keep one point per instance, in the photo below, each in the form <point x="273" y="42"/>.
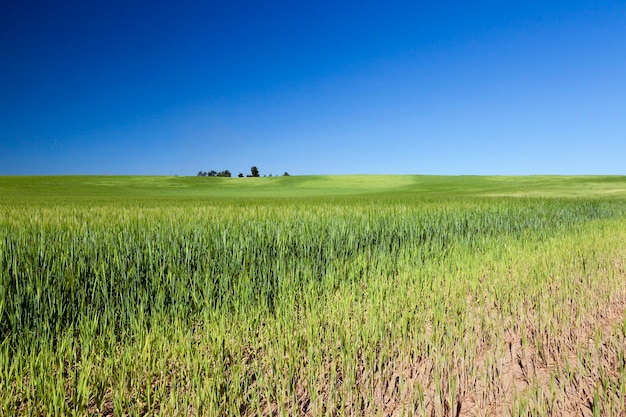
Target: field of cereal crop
<point x="313" y="295"/>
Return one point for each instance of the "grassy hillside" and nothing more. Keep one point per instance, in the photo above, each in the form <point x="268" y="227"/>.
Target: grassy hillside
<point x="89" y="187"/>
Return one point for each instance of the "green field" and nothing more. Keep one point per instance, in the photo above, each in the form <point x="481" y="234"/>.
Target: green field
<point x="313" y="295"/>
<point x="114" y="188"/>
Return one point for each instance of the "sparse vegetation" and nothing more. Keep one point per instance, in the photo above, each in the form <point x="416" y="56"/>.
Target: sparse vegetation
<point x="408" y="300"/>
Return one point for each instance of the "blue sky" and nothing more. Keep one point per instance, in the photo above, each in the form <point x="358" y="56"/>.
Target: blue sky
<point x="350" y="87"/>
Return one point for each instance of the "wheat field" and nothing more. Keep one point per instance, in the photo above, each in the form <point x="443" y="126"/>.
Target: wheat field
<point x="313" y="296"/>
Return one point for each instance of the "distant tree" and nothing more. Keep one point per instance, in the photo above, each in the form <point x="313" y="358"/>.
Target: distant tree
<point x="286" y="174"/>
<point x="225" y="173"/>
<point x="254" y="171"/>
<point x="212" y="173"/>
<point x="240" y="175"/>
<point x="201" y="174"/>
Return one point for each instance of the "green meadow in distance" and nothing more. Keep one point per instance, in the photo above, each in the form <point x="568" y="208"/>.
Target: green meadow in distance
<point x="98" y="187"/>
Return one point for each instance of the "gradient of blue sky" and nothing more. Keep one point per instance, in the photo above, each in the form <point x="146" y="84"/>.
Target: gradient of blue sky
<point x="320" y="87"/>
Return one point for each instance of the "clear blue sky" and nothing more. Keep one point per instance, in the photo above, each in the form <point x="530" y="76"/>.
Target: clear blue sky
<point x="312" y="87"/>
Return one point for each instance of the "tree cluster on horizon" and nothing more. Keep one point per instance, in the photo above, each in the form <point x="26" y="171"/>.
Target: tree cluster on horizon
<point x="254" y="172"/>
<point x="212" y="173"/>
